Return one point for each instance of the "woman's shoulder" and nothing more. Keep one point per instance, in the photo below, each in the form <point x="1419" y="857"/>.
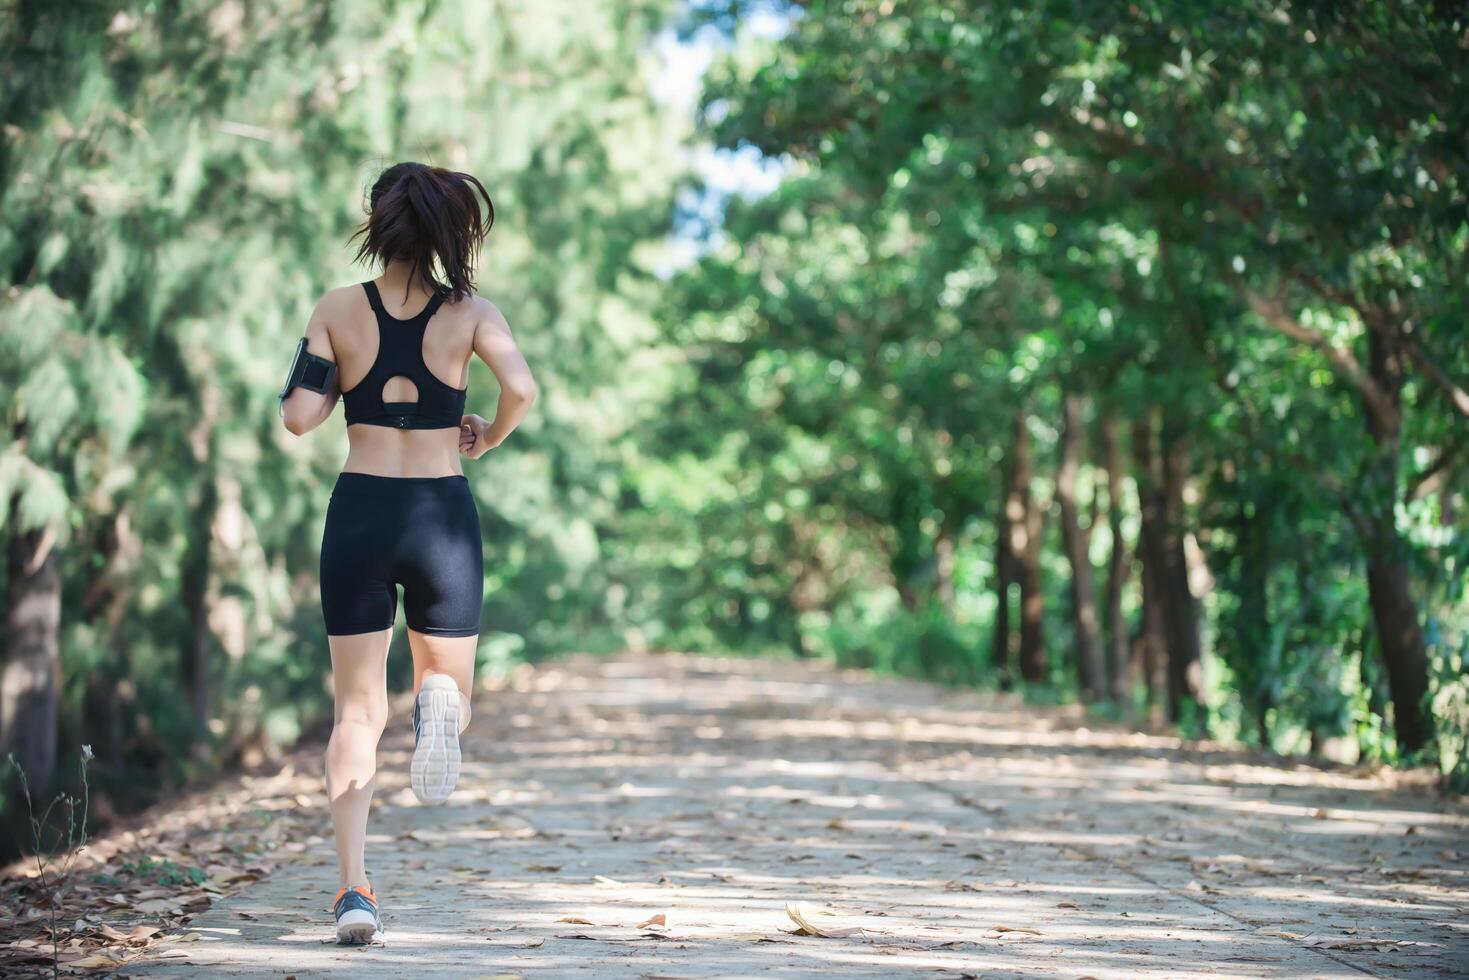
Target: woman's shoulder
<point x="478" y="309"/>
<point x="341" y="299"/>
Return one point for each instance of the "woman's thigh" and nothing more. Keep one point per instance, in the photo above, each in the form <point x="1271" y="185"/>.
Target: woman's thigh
<point x="439" y="560"/>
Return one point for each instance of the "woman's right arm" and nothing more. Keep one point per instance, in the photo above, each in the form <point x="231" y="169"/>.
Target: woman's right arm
<point x="495" y="345"/>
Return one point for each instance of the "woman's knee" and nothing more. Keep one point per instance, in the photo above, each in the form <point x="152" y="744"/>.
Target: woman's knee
<point x="368" y="712"/>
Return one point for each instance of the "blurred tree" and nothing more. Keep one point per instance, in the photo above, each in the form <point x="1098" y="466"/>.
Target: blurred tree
<point x="1239" y="227"/>
<point x="178" y="182"/>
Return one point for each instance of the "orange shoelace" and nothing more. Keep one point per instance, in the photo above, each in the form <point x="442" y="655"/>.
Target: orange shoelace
<point x="364" y="890"/>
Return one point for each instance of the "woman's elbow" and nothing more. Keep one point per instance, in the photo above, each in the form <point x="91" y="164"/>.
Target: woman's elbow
<point x="524" y="391"/>
<point x="298" y="424"/>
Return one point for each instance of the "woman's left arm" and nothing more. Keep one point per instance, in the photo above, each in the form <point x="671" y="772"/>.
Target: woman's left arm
<point x="305" y="409"/>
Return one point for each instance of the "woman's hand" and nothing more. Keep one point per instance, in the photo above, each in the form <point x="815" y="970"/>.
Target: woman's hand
<point x="473" y="430"/>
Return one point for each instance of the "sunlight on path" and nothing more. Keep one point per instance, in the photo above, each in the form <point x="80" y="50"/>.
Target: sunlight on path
<point x="932" y="833"/>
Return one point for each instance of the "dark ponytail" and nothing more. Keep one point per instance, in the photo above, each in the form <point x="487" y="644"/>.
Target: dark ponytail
<point x="430" y="218"/>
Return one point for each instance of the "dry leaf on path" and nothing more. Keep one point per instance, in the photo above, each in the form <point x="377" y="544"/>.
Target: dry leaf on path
<point x="576" y="920"/>
<point x="139" y="934"/>
<point x="805" y="928"/>
<point x="658" y="920"/>
<point x="996" y="931"/>
<point x="91" y="962"/>
<point x="155" y="906"/>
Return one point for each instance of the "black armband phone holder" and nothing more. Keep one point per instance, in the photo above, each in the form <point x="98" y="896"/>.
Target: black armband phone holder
<point x="308" y="371"/>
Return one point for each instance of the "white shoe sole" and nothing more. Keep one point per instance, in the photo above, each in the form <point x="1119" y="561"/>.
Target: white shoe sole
<point x="435" y="768"/>
<point x="357" y="928"/>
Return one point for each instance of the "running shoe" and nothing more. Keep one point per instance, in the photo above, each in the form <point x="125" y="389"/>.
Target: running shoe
<point x="435" y="767"/>
<point x="359" y="920"/>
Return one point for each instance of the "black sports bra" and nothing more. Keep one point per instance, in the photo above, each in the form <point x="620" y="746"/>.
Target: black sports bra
<point x="400" y="354"/>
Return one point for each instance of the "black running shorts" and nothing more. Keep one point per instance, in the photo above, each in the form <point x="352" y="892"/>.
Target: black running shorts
<point x="420" y="533"/>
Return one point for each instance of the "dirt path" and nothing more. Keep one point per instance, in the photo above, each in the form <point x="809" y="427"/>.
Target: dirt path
<point x="959" y="834"/>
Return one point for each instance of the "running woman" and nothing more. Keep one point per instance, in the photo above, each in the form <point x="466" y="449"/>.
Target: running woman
<point x="396" y="349"/>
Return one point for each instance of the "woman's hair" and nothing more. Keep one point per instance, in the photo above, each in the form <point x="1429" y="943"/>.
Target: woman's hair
<point x="429" y="217"/>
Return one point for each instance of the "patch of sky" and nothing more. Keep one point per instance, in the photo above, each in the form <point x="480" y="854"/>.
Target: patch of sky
<point x="716" y="174"/>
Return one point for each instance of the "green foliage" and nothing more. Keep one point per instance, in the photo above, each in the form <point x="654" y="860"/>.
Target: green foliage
<point x="163" y="872"/>
<point x="1244" y="221"/>
<point x="177" y="184"/>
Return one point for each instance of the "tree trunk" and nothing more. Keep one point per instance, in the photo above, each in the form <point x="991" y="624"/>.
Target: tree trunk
<point x="1026" y="525"/>
<point x="30" y="681"/>
<point x="943" y="559"/>
<point x="1181" y="612"/>
<point x="194" y="583"/>
<point x="1394" y="612"/>
<point x="103" y="607"/>
<point x="1118" y="675"/>
<point x="1151" y="550"/>
<point x="1076" y="541"/>
<point x="1251" y="623"/>
<point x="1004" y="576"/>
<point x="1152" y="638"/>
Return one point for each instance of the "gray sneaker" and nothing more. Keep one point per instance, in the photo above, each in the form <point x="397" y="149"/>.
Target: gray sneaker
<point x="359" y="920"/>
<point x="435" y="767"/>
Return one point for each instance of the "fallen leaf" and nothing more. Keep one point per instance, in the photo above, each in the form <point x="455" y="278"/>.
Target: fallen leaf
<point x="89" y="962"/>
<point x="139" y="934"/>
<point x="658" y="920"/>
<point x="155" y="906"/>
<point x="805" y="928"/>
<point x="577" y="920"/>
<point x="1001" y="930"/>
<point x="543" y="867"/>
<point x="1324" y="942"/>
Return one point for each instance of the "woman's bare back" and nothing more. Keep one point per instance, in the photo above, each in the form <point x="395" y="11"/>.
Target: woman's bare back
<point x="345" y="329"/>
<point x="448" y="344"/>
